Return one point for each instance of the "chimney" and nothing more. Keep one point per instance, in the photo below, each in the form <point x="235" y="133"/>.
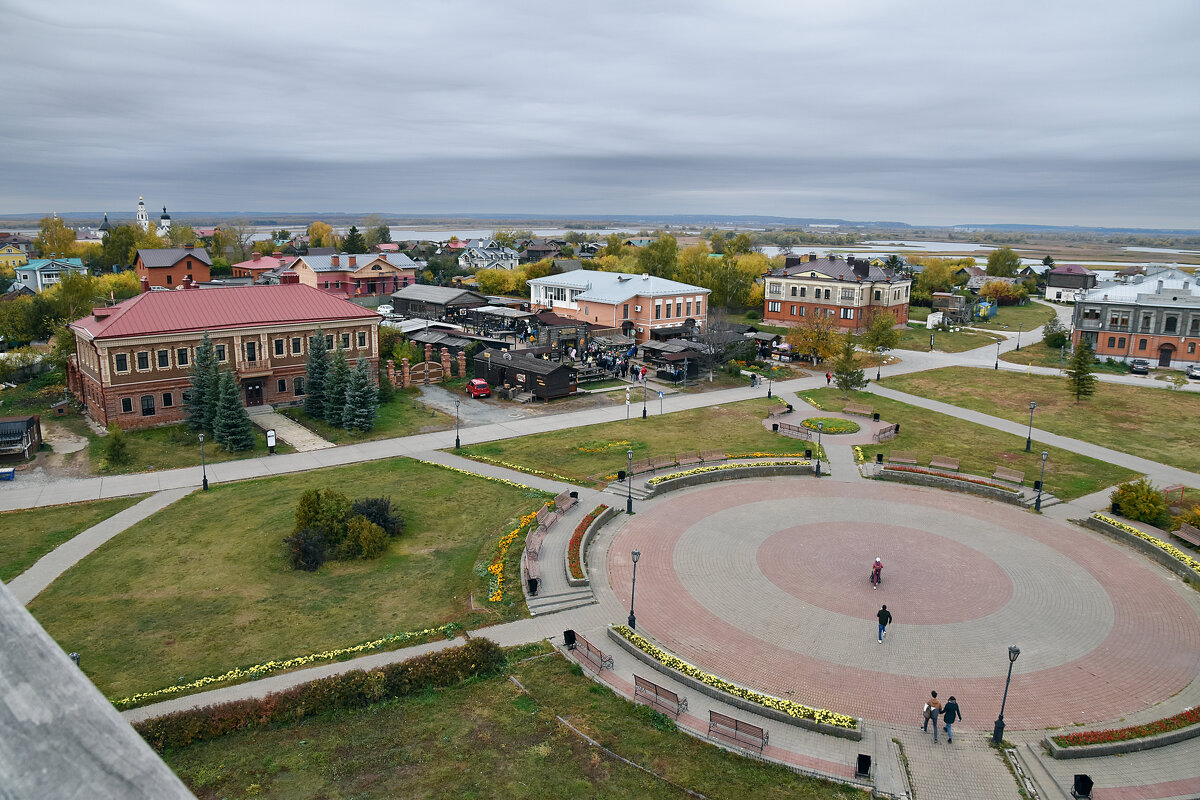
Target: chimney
<point x="353" y="260"/>
<point x="145" y="284"/>
<point x="277" y="254"/>
<point x="189" y="247"/>
<point x="335" y="261"/>
<point x="1160" y="285"/>
<point x="256" y="256"/>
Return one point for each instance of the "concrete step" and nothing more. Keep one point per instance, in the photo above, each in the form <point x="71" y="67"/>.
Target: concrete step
<point x="561" y="601"/>
<point x="263" y="409"/>
<point x="1031" y="763"/>
<point x="621" y="490"/>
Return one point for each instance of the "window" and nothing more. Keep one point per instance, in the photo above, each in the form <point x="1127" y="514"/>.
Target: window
<point x="143" y="360"/>
<point x="167" y="400"/>
<point x="1121" y="342"/>
<point x="847" y="295"/>
<point x="793" y="291"/>
<point x="181" y="356"/>
<point x="126" y="405"/>
<point x="1112" y="341"/>
<point x="773" y="306"/>
<point x="164" y="359"/>
<point x="147" y="405"/>
<point x="801" y="312"/>
<point x="345" y="341"/>
<point x="803" y="291"/>
<point x="793" y="311"/>
<point x="668" y="305"/>
<point x="279" y="347"/>
<point x="281" y="386"/>
<point x="329" y="341"/>
<point x="775" y="288"/>
<point x="122" y="363"/>
<point x="220" y="351"/>
<point x="1141" y="344"/>
<point x="826" y="294"/>
<point x="878" y="294"/>
<point x="678" y="308"/>
<point x="295" y="345"/>
<point x="658" y="311"/>
<point x="251" y="351"/>
<point x="1191" y="347"/>
<point x="847" y="313"/>
<point x="627" y="311"/>
<point x="298" y="386"/>
<point x="169" y="280"/>
<point x="1170" y="324"/>
<point x="1195" y="327"/>
<point x="689" y="308"/>
<point x="1119" y="319"/>
<point x="1091" y="313"/>
<point x="362" y="338"/>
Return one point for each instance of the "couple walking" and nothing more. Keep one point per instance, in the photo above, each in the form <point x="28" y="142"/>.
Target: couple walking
<point x="948" y="712"/>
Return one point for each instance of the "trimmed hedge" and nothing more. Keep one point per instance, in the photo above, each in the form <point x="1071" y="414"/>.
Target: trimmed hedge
<point x="349" y="690"/>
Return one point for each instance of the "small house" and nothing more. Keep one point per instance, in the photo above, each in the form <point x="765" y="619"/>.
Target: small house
<point x="20" y="436"/>
<point x="544" y="379"/>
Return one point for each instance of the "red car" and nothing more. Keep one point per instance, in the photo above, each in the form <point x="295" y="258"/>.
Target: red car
<point x="478" y="387"/>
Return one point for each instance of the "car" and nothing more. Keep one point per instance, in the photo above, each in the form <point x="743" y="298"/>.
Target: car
<point x="384" y="310"/>
<point x="478" y="387"/>
<point x="1193" y="372"/>
<point x="1139" y="366"/>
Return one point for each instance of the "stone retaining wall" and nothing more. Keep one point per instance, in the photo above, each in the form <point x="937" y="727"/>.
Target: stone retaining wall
<point x="1127" y="746"/>
<point x="598" y="523"/>
<point x="748" y="471"/>
<point x="1173" y="564"/>
<point x="950" y="484"/>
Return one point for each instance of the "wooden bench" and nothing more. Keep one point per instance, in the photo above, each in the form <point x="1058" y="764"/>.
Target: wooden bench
<point x="658" y="698"/>
<point x="778" y="411"/>
<point x="545" y="517"/>
<point x="943" y="462"/>
<point x="563" y="502"/>
<point x="736" y="731"/>
<point x="687" y="459"/>
<point x="591" y="655"/>
<point x="885" y="435"/>
<point x="645" y="465"/>
<point x="659" y="462"/>
<point x="900" y="457"/>
<point x="1009" y="475"/>
<point x="712" y="455"/>
<point x="794" y="431"/>
<point x="862" y="411"/>
<point x="532" y="570"/>
<point x="1189" y="533"/>
<point x="533" y="543"/>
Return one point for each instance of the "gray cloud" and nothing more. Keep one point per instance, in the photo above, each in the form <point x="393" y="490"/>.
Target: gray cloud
<point x="926" y="112"/>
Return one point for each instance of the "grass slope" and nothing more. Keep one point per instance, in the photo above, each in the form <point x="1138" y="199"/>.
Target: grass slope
<point x="485" y="739"/>
<point x="30" y="534"/>
<point x="403" y="416"/>
<point x="1156" y="424"/>
<point x="980" y="450"/>
<point x="944" y="342"/>
<point x="1013" y="318"/>
<point x="204" y="585"/>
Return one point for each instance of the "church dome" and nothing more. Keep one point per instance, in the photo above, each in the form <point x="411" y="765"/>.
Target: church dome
<point x="165" y="215"/>
<point x="104" y="226"/>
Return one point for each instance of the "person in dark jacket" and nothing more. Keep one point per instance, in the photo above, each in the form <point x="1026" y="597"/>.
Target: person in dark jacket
<point x="885" y="617"/>
<point x="950" y="715"/>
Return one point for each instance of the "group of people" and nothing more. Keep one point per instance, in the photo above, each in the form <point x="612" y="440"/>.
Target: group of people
<point x="619" y="362"/>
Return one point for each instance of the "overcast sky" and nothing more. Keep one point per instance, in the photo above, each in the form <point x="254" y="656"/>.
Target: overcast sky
<point x="924" y="112"/>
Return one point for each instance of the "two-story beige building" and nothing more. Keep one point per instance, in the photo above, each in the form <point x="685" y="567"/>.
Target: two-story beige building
<point x="850" y="290"/>
<point x="133" y="360"/>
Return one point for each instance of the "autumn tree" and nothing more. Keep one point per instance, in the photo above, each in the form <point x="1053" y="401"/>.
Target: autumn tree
<point x="1003" y="263"/>
<point x="882" y="335"/>
<point x="321" y="234"/>
<point x="377" y="232"/>
<point x="54" y="238"/>
<point x="817" y="336"/>
<point x="117" y="249"/>
<point x="693" y="264"/>
<point x="1003" y="293"/>
<point x="729" y="285"/>
<point x="614" y="244"/>
<point x="179" y="235"/>
<point x="660" y="257"/>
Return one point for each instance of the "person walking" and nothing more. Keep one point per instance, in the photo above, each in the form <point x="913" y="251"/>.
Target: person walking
<point x="933" y="707"/>
<point x="950" y="715"/>
<point x="876" y="574"/>
<point x="885" y="617"/>
<point x="828" y="378"/>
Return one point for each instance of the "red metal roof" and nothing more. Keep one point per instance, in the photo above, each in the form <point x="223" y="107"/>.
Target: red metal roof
<point x="216" y="309"/>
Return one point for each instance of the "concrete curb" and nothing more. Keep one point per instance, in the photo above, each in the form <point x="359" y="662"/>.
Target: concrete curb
<point x="592" y="529"/>
<point x="747" y="471"/>
<point x="1117" y="748"/>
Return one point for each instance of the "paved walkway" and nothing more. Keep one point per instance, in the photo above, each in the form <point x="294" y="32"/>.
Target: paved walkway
<point x="289" y="430"/>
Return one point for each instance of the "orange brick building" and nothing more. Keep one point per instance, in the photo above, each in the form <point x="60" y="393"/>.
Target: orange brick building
<point x="851" y="290"/>
<point x="169" y="267"/>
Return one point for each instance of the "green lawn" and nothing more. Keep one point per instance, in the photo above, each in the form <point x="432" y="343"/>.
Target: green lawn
<point x="486" y="739"/>
<point x="980" y="450"/>
<point x="1038" y="355"/>
<point x="587" y="454"/>
<point x="170" y="447"/>
<point x="204" y="585"/>
<point x="1013" y="318"/>
<point x="30" y="534"/>
<point x="744" y="319"/>
<point x="403" y="416"/>
<point x="1156" y="424"/>
<point x="919" y="313"/>
<point x="945" y="342"/>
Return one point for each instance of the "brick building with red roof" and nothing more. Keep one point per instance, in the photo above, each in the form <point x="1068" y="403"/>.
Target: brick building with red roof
<point x="258" y="265"/>
<point x="132" y="360"/>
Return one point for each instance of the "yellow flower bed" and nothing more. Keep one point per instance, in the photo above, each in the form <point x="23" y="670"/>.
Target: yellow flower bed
<point x="496" y="568"/>
<point x="858" y="455"/>
<point x="505" y="481"/>
<point x="700" y="470"/>
<point x="792" y="709"/>
<point x="603" y="446"/>
<point x="520" y="468"/>
<point x="261" y="670"/>
<point x="1171" y="550"/>
<point x="811" y="402"/>
<point x="765" y="455"/>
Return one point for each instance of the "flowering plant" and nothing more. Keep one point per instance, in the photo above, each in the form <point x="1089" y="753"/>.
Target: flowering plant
<point x="496" y="568"/>
<point x="1170" y="550"/>
<point x="600" y="447"/>
<point x="505" y="481"/>
<point x="515" y="468"/>
<point x="831" y="425"/>
<point x="1182" y="720"/>
<point x="718" y="467"/>
<point x="260" y="670"/>
<point x="573" y="556"/>
<point x="788" y="707"/>
<point x="811" y="402"/>
<point x="858" y="455"/>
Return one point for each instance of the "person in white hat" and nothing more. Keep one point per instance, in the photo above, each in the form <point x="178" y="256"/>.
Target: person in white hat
<point x="876" y="573"/>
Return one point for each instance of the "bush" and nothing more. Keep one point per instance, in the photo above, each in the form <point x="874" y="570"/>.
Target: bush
<point x="364" y="539"/>
<point x="1054" y="334"/>
<point x="357" y="689"/>
<point x="1139" y="500"/>
<point x="116" y="446"/>
<point x="326" y="511"/>
<point x="307" y="549"/>
<point x="752" y="314"/>
<point x="379" y="510"/>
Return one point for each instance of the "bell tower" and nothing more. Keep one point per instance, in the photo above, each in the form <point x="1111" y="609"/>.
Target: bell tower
<point x="164" y="223"/>
<point x="143" y="219"/>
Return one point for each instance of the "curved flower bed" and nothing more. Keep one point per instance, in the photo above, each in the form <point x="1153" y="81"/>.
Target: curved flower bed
<point x="573" y="558"/>
<point x="505" y="481"/>
<point x="788" y="707"/>
<point x="1083" y="738"/>
<point x="1171" y="550"/>
<point x="811" y="402"/>
<point x="261" y="670"/>
<point x="656" y="480"/>
<point x="963" y="478"/>
<point x="496" y="568"/>
<point x="514" y="467"/>
<point x="832" y="425"/>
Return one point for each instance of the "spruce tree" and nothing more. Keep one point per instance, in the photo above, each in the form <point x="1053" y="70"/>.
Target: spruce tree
<point x="362" y="399"/>
<point x="314" y="381"/>
<point x="354" y="241"/>
<point x="1079" y="372"/>
<point x="232" y="427"/>
<point x="334" y="396"/>
<point x="202" y="391"/>
<point x="846" y="373"/>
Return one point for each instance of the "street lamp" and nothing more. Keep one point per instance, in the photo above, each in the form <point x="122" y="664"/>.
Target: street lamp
<point x="203" y="468"/>
<point x="660" y="403"/>
<point x="626" y="405"/>
<point x="457" y="443"/>
<point x="769" y="384"/>
<point x="820" y="427"/>
<point x="1029" y="437"/>
<point x="1037" y="506"/>
<point x="998" y="731"/>
<point x="1019" y="327"/>
<point x="629" y="485"/>
<point x="633" y="591"/>
<point x="643" y="401"/>
<point x="997" y="355"/>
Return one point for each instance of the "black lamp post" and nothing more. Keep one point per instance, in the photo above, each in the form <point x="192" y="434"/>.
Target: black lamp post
<point x="1019" y="327"/>
<point x="457" y="443"/>
<point x="203" y="468"/>
<point x="820" y="426"/>
<point x="769" y="381"/>
<point x="1029" y="436"/>
<point x="997" y="355"/>
<point x="1037" y="506"/>
<point x="627" y="406"/>
<point x="633" y="591"/>
<point x="629" y="487"/>
<point x="643" y="401"/>
<point x="998" y="731"/>
<point x="878" y="366"/>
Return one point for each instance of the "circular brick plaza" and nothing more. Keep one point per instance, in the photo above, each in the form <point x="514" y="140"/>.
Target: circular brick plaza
<point x="766" y="583"/>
